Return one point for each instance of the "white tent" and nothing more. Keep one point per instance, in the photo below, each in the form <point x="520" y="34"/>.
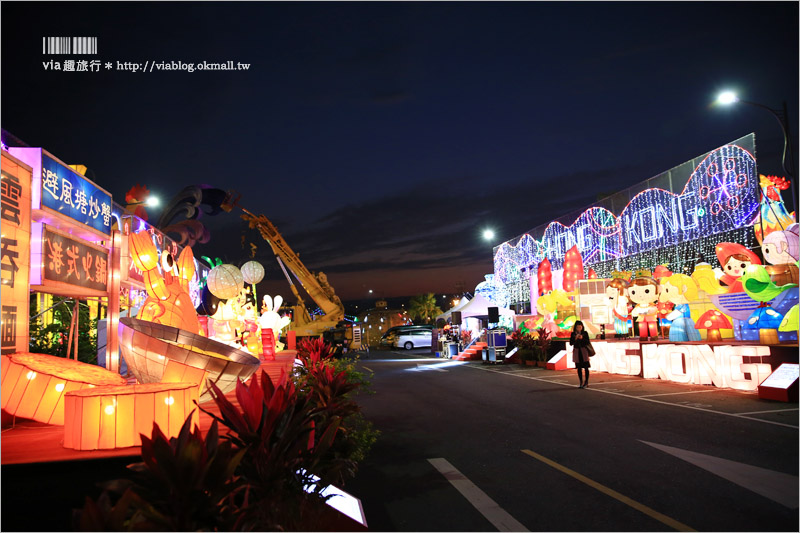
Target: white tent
<point x="479" y="307"/>
<point x="446" y="315"/>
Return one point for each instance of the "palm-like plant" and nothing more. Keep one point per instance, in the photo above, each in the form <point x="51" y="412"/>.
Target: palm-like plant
<point x="423" y="308"/>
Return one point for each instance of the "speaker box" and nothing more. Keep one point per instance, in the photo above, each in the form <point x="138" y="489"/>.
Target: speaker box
<point x="455" y="317"/>
<point x="494" y="315"/>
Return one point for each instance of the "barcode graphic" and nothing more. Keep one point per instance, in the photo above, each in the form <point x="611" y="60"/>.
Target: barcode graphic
<point x="69" y="45"/>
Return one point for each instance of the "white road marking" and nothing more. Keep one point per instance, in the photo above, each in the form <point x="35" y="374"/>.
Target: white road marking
<point x="479" y="499"/>
<point x="767" y="412"/>
<point x="777" y="486"/>
<point x="643" y="399"/>
<point x="685" y="392"/>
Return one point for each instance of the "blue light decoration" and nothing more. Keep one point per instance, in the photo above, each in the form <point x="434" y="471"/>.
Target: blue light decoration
<point x="596" y="232"/>
<point x="721" y="194"/>
<point x="493" y="291"/>
<point x="676" y="218"/>
<point x="71" y="194"/>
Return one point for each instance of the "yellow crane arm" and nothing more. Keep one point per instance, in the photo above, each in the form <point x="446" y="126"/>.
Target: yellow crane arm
<point x="317" y="286"/>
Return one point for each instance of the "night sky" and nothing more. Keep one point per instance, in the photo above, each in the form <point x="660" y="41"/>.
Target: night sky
<point x="382" y="138"/>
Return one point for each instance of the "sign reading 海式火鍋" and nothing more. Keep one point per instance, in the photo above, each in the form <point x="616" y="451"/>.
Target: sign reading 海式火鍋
<point x="71" y="194"/>
<point x="76" y="263"/>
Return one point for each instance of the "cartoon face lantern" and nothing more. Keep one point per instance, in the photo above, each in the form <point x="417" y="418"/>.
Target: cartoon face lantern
<point x="734" y="259"/>
<point x="168" y="301"/>
<point x="781" y="247"/>
<point x="643" y="291"/>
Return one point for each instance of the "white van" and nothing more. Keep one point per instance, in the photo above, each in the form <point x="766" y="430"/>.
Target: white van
<point x="420" y="338"/>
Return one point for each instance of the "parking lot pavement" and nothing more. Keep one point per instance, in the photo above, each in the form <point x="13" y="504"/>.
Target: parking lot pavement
<point x="728" y="402"/>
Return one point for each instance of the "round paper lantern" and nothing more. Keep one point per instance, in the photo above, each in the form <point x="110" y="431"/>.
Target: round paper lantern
<point x="225" y="281"/>
<point x="252" y="272"/>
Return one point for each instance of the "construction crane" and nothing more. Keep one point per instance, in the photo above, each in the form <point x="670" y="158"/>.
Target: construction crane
<point x="316" y="285"/>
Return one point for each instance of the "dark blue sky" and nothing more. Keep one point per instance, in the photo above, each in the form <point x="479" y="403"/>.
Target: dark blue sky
<point x="381" y="138"/>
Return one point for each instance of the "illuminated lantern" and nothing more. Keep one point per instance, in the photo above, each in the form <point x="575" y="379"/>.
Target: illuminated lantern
<point x="773" y="215"/>
<point x="225" y="281"/>
<point x="111" y="417"/>
<point x="33" y="385"/>
<point x="544" y="277"/>
<point x="767" y="321"/>
<point x="252" y="272"/>
<point x="713" y="321"/>
<point x="661" y="271"/>
<point x="147" y="347"/>
<point x="790" y="321"/>
<point x="573" y="268"/>
<point x="168" y="301"/>
<point x="591" y="274"/>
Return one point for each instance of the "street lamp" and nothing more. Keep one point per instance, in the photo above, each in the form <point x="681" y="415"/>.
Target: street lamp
<point x="488" y="234"/>
<point x="782" y="116"/>
<point x="150" y="201"/>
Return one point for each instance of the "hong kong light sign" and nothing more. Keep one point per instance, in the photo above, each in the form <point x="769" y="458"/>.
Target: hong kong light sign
<point x="718" y="193"/>
<point x="73" y="195"/>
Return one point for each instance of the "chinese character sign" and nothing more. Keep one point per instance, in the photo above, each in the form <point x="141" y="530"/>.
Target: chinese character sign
<point x="15" y="255"/>
<point x="73" y="195"/>
<point x="69" y="261"/>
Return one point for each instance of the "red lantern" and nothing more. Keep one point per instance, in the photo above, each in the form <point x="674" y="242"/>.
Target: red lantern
<point x="573" y="268"/>
<point x="544" y="276"/>
<point x="592" y="274"/>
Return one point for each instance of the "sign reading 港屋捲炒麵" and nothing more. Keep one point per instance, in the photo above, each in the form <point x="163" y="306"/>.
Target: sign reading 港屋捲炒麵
<point x="71" y="194"/>
<point x="69" y="261"/>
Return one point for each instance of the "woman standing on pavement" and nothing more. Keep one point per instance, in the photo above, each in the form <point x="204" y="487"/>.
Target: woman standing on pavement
<point x="579" y="339"/>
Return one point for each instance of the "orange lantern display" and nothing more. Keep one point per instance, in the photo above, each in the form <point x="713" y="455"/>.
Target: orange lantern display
<point x="105" y="418"/>
<point x="147" y="346"/>
<point x="573" y="268"/>
<point x="33" y="385"/>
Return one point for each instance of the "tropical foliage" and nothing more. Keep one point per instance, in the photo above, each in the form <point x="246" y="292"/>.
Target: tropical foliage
<point x="285" y="443"/>
<point x="53" y="338"/>
<point x="423" y="309"/>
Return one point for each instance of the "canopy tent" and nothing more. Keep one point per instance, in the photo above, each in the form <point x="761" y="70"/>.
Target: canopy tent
<point x="479" y="307"/>
<point x="446" y="315"/>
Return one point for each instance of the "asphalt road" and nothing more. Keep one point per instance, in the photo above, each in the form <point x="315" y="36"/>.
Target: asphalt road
<point x="473" y="447"/>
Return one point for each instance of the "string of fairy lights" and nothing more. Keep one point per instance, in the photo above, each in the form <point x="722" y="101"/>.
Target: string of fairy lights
<point x="718" y="203"/>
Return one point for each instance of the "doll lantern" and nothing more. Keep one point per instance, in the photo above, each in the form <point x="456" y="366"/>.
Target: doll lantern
<point x="225" y="281"/>
<point x="713" y="321"/>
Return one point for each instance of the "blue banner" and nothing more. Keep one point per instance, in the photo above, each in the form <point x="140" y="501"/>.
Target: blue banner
<point x="71" y="194"/>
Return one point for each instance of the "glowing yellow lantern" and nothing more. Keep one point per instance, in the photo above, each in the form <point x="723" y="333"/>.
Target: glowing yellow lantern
<point x="33" y="385"/>
<point x="111" y="417"/>
<point x="148" y="347"/>
<point x="225" y="281"/>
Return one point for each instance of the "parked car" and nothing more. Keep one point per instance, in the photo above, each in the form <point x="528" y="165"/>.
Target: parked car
<point x="418" y="338"/>
<point x="388" y="338"/>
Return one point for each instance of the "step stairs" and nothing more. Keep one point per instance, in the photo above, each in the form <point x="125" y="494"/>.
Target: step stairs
<point x="473" y="353"/>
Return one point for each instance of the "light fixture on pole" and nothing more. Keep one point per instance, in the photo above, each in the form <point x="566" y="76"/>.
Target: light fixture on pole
<point x="782" y="116"/>
<point x="488" y="235"/>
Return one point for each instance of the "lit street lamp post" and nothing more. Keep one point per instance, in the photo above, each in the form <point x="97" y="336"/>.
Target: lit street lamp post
<point x="729" y="97"/>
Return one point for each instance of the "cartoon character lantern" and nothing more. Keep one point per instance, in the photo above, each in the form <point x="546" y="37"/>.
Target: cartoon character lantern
<point x="734" y="259"/>
<point x="680" y="289"/>
<point x="617" y="303"/>
<point x="780" y="249"/>
<point x="643" y="291"/>
<point x="168" y="301"/>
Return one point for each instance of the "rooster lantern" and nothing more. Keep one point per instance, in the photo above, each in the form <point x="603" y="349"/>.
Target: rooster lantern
<point x="168" y="301"/>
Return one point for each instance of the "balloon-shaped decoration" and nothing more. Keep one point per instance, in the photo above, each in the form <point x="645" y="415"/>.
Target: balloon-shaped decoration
<point x="253" y="272"/>
<point x="225" y="281"/>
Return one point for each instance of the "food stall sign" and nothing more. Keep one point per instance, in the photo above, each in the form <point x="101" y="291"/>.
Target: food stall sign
<point x="66" y="260"/>
<point x="70" y="194"/>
